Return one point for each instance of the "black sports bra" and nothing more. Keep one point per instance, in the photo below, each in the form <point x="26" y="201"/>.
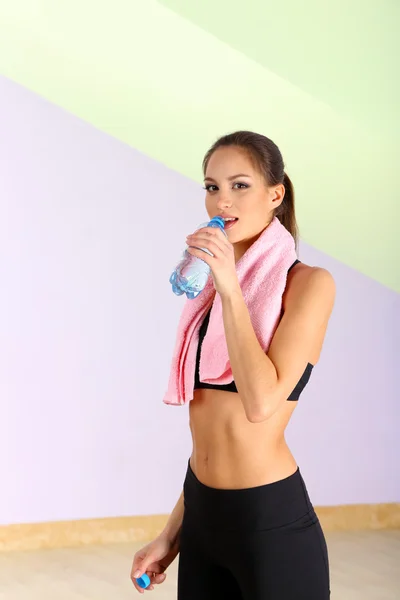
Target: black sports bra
<point x="231" y="387"/>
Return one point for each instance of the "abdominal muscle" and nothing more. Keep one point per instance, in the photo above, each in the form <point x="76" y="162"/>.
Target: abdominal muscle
<point x="229" y="452"/>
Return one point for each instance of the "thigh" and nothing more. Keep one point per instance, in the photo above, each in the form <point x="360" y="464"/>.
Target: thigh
<point x="199" y="577"/>
<point x="286" y="564"/>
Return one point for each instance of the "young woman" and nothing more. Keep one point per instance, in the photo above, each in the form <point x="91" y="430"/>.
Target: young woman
<point x="244" y="524"/>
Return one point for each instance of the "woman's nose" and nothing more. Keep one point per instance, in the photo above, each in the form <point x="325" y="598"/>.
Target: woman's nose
<point x="223" y="200"/>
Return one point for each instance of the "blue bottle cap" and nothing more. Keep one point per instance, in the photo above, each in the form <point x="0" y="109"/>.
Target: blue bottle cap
<point x="219" y="221"/>
<point x="143" y="581"/>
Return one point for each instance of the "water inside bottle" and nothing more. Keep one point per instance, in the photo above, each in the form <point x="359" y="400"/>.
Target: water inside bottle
<point x="191" y="274"/>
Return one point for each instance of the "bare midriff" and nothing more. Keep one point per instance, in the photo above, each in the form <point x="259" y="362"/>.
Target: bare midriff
<point x="230" y="452"/>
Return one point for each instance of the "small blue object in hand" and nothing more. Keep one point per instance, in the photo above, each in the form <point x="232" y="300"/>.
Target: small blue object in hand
<point x="143" y="581"/>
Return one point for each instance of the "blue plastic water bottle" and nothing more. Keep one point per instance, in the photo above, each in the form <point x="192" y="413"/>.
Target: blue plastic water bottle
<point x="191" y="274"/>
<point x="143" y="581"/>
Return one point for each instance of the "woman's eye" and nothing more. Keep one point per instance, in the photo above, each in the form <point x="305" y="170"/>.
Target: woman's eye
<point x="238" y="186"/>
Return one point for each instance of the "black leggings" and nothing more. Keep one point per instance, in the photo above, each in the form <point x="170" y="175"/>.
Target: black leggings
<point x="261" y="543"/>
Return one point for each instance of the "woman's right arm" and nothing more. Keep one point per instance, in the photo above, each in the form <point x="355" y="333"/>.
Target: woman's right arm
<point x="172" y="529"/>
<point x="156" y="556"/>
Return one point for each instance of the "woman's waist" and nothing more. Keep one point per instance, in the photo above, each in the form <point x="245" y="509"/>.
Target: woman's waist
<point x="229" y="451"/>
<point x="227" y="463"/>
<point x="261" y="507"/>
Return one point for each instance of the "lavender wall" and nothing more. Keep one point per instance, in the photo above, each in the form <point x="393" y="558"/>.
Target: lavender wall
<point x="89" y="233"/>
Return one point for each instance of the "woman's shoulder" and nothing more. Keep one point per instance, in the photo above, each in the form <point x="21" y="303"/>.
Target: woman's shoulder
<point x="306" y="281"/>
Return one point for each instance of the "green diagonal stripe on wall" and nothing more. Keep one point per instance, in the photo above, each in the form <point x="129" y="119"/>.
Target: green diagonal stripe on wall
<point x="152" y="79"/>
<point x="344" y="53"/>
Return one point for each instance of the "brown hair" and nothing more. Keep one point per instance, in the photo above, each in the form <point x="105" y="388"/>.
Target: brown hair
<point x="268" y="158"/>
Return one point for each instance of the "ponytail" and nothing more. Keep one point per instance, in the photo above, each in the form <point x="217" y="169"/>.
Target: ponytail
<point x="286" y="212"/>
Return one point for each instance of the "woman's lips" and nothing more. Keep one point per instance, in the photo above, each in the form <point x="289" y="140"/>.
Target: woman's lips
<point x="230" y="224"/>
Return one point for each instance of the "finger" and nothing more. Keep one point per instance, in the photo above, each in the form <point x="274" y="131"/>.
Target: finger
<point x="138" y="562"/>
<point x="136" y="571"/>
<point x="158" y="578"/>
<point x="211" y="245"/>
<point x="138" y="568"/>
<point x="137" y="587"/>
<point x="155" y="579"/>
<point x="218" y="233"/>
<point x="143" y="564"/>
<point x="201" y="254"/>
<point x="209" y="233"/>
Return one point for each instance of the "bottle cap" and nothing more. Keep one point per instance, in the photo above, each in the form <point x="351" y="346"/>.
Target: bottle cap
<point x="219" y="221"/>
<point x="143" y="581"/>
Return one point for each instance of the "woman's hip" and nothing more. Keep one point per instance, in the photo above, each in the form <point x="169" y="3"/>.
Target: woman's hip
<point x="265" y="507"/>
<point x="267" y="537"/>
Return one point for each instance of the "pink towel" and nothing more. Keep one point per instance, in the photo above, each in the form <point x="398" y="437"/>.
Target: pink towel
<point x="262" y="273"/>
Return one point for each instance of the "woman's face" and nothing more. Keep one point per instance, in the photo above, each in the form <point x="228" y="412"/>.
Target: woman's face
<point x="236" y="188"/>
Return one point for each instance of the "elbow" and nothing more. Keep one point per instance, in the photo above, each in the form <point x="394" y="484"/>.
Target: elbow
<point x="262" y="411"/>
<point x="265" y="406"/>
<point x="258" y="417"/>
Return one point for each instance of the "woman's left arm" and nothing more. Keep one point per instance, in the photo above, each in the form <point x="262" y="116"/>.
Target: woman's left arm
<point x="264" y="381"/>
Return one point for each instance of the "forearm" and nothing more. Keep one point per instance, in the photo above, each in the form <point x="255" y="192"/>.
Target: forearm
<point x="173" y="527"/>
<point x="254" y="373"/>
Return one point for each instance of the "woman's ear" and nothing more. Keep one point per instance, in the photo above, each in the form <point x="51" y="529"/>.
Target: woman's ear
<point x="277" y="195"/>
